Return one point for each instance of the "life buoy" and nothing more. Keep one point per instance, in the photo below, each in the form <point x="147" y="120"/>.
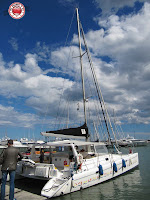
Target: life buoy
<point x="79" y="159"/>
<point x="65" y="162"/>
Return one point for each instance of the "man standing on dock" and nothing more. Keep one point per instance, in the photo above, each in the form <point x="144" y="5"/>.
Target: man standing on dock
<point x="8" y="159"/>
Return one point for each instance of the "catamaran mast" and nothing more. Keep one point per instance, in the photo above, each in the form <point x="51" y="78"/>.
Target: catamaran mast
<point x="82" y="77"/>
<point x="100" y="96"/>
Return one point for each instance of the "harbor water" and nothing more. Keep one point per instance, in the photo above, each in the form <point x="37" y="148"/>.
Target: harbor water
<point x="134" y="185"/>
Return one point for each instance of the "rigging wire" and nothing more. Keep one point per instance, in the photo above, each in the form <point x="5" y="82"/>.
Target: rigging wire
<point x="58" y="111"/>
<point x="96" y="105"/>
<point x="101" y="100"/>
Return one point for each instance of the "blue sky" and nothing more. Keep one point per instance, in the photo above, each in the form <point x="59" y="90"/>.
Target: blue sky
<point x="36" y="71"/>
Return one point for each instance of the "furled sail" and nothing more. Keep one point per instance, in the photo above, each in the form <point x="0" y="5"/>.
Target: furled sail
<point x="81" y="131"/>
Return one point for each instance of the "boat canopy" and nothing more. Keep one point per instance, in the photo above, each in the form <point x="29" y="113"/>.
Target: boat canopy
<point x="79" y="132"/>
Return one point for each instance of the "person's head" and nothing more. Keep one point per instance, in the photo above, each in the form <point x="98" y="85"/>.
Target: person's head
<point x="10" y="142"/>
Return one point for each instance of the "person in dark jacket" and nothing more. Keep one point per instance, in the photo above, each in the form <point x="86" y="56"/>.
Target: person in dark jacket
<point x="8" y="159"/>
<point x="41" y="156"/>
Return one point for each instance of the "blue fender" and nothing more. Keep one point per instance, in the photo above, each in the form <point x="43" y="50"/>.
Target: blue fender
<point x="115" y="167"/>
<point x="100" y="169"/>
<point x="123" y="163"/>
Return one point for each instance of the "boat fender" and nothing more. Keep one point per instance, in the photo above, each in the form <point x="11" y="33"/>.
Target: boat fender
<point x="114" y="167"/>
<point x="80" y="159"/>
<point x="100" y="169"/>
<point x="123" y="163"/>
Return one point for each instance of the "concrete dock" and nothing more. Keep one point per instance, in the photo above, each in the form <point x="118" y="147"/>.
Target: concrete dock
<point x="27" y="189"/>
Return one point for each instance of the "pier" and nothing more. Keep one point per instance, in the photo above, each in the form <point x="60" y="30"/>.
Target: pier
<point x="26" y="189"/>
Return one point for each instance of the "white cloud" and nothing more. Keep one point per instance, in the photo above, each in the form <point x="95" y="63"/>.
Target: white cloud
<point x="28" y="82"/>
<point x="11" y="117"/>
<point x="31" y="64"/>
<point x="124" y="79"/>
<point x="122" y="35"/>
<point x="112" y="6"/>
<point x="43" y="51"/>
<point x="14" y="43"/>
<point x="66" y="59"/>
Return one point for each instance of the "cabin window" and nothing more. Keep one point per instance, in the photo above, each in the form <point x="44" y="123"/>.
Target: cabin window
<point x="64" y="149"/>
<point x="92" y="149"/>
<point x="101" y="149"/>
<point x="22" y="149"/>
<point x="86" y="148"/>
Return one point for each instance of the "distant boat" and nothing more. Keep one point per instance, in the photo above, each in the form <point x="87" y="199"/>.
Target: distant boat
<point x="22" y="147"/>
<point x="4" y="140"/>
<point x="120" y="142"/>
<point x="40" y="142"/>
<point x="30" y="142"/>
<point x="1" y="149"/>
<point x="136" y="142"/>
<point x="27" y="142"/>
<point x="124" y="143"/>
<point x="24" y="140"/>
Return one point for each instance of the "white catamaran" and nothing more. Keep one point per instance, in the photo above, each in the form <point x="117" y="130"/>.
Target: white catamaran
<point x="73" y="165"/>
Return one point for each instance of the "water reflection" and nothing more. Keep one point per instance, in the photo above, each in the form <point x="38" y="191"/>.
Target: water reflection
<point x="124" y="187"/>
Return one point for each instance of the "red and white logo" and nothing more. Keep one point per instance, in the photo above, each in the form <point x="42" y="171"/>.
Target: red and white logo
<point x="16" y="10"/>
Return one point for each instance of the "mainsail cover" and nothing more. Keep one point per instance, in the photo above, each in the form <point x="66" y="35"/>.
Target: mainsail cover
<point x="81" y="131"/>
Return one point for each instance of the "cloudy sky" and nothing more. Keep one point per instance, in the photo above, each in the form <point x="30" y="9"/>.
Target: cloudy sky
<point x="39" y="68"/>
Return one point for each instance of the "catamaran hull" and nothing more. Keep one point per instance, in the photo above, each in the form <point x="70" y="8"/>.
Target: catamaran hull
<point x="88" y="178"/>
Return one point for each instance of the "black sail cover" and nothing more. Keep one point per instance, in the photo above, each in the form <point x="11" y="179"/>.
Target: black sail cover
<point x="81" y="131"/>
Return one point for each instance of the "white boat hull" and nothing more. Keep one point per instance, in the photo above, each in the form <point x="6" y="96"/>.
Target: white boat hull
<point x="85" y="178"/>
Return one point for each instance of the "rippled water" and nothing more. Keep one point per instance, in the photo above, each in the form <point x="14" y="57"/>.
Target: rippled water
<point x="134" y="185"/>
